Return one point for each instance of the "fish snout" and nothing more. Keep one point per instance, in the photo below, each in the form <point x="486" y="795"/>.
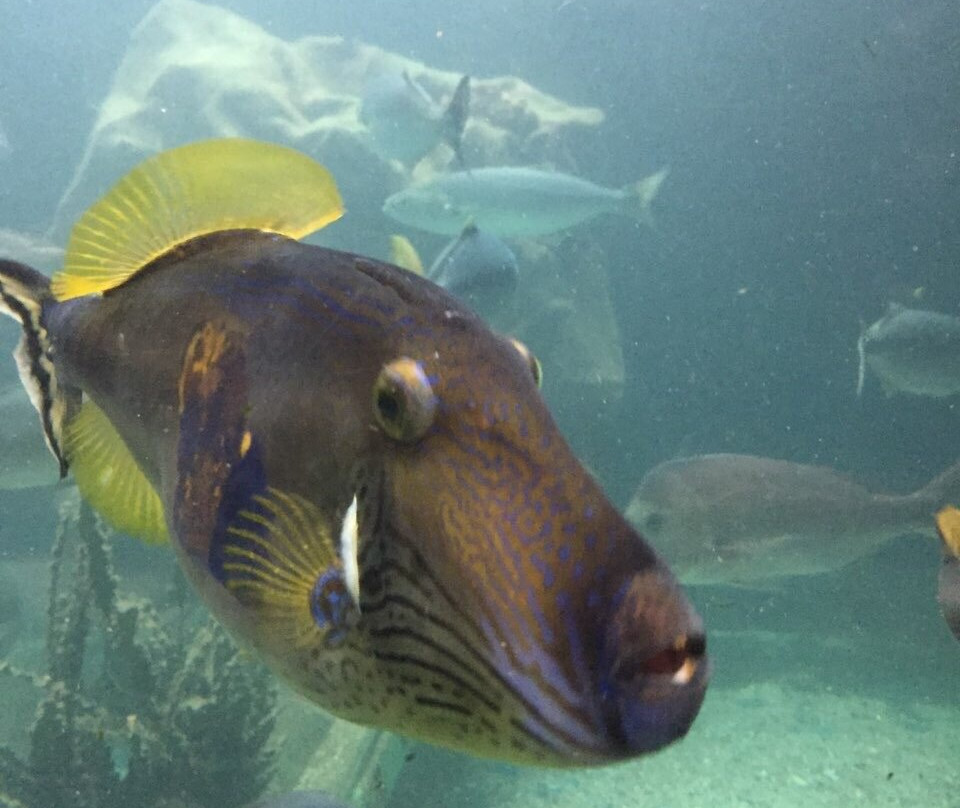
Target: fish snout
<point x="654" y="662"/>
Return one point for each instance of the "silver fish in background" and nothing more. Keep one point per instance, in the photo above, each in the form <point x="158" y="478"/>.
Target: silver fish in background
<point x="406" y="123"/>
<point x="476" y="266"/>
<point x="912" y="351"/>
<point x="739" y="519"/>
<point x="511" y="201"/>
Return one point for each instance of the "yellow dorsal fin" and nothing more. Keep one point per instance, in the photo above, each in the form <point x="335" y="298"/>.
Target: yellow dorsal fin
<point x="110" y="479"/>
<point x="404" y="255"/>
<point x="948" y="523"/>
<point x="221" y="184"/>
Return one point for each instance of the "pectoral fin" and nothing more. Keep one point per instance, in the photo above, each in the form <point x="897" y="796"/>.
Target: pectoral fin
<point x="280" y="559"/>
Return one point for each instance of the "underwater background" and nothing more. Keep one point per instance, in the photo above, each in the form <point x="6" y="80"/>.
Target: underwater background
<point x="814" y="178"/>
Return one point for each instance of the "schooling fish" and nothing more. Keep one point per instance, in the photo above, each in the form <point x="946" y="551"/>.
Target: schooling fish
<point x="406" y="123"/>
<point x="360" y="478"/>
<point x="912" y="351"/>
<point x="511" y="201"/>
<point x="738" y="519"/>
<point x="476" y="267"/>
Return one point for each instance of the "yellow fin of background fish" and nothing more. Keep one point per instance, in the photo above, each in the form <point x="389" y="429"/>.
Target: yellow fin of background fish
<point x="220" y="184"/>
<point x="110" y="479"/>
<point x="640" y="196"/>
<point x="273" y="556"/>
<point x="948" y="523"/>
<point x="405" y="255"/>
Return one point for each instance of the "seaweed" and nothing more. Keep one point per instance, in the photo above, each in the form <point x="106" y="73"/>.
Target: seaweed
<point x="133" y="711"/>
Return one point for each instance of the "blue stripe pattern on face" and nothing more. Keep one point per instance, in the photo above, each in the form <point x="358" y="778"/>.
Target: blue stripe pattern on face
<point x="557" y="719"/>
<point x="325" y="303"/>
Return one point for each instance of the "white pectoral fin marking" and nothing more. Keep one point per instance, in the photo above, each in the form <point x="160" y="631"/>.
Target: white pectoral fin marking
<point x="349" y="549"/>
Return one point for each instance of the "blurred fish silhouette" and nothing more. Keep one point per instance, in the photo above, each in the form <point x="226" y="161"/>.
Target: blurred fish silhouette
<point x="476" y="267"/>
<point x="406" y="123"/>
<point x="739" y="519"/>
<point x="912" y="351"/>
<point x="510" y="201"/>
<point x="358" y="476"/>
<point x="948" y="592"/>
<point x="5" y="148"/>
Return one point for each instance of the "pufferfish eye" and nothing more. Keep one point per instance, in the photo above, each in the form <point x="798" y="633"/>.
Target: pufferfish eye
<point x="403" y="400"/>
<point x="536" y="369"/>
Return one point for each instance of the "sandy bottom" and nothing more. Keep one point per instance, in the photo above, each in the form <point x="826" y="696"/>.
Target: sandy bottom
<point x="868" y="715"/>
<point x="764" y="744"/>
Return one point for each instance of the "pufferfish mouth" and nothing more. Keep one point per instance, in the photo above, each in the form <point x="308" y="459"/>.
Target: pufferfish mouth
<point x="658" y="667"/>
<point x="666" y="693"/>
<point x="678" y="664"/>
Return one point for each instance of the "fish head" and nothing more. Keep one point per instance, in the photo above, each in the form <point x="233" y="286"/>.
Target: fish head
<point x="519" y="614"/>
<point x="359" y="477"/>
<point x="487" y="596"/>
<point x="670" y="513"/>
<point x="370" y="491"/>
<point x="478" y="268"/>
<point x="427" y="207"/>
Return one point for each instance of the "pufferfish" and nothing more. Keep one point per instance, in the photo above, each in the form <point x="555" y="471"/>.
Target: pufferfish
<point x="359" y="477"/>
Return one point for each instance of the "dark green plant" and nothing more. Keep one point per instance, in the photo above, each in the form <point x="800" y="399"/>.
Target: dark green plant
<point x="130" y="713"/>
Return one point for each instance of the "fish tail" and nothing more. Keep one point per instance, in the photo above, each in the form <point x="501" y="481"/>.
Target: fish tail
<point x="455" y="118"/>
<point x="944" y="489"/>
<point x="638" y="196"/>
<point x="23" y="295"/>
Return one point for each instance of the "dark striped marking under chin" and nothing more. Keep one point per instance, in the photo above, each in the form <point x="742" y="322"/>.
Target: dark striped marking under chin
<point x="488" y="675"/>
